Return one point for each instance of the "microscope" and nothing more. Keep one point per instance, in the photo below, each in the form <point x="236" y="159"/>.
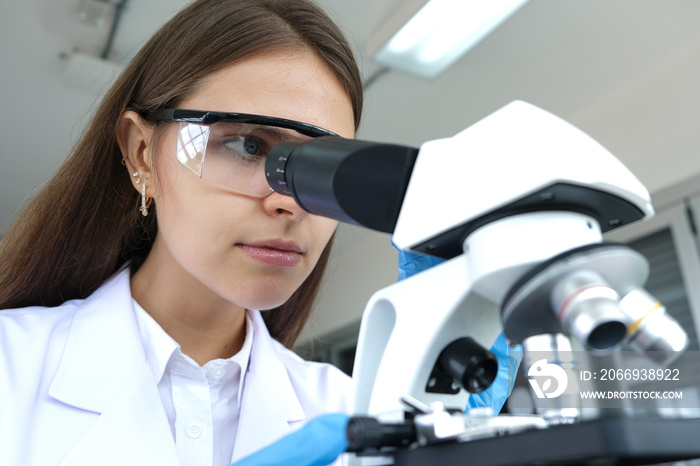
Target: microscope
<point x="516" y="205"/>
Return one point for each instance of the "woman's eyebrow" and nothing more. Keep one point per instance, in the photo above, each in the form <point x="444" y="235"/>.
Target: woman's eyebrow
<point x="278" y="133"/>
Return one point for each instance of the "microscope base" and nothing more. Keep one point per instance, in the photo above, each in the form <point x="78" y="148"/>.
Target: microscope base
<point x="605" y="441"/>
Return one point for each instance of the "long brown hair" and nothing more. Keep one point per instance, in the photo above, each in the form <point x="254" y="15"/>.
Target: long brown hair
<point x="84" y="225"/>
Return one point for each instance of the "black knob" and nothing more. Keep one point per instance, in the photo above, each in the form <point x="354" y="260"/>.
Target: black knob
<point x="470" y="364"/>
<point x="366" y="433"/>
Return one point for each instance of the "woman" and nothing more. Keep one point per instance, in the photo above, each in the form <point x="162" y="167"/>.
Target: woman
<point x="132" y="283"/>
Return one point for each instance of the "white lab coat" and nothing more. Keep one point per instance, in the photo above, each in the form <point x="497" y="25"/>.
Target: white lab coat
<point x="75" y="387"/>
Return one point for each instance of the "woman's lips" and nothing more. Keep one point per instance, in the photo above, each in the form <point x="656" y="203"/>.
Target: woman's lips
<point x="276" y="253"/>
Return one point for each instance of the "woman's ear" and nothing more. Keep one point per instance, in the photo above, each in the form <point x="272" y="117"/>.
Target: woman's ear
<point x="135" y="139"/>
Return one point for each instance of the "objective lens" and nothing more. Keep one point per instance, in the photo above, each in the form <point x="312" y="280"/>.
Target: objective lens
<point x="653" y="331"/>
<point x="588" y="308"/>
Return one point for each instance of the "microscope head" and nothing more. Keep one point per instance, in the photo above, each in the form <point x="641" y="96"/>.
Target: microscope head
<point x="519" y="159"/>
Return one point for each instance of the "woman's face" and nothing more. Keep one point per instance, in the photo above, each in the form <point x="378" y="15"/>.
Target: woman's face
<point x="252" y="252"/>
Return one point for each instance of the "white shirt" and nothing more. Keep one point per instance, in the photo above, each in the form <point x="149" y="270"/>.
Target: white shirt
<point x="202" y="403"/>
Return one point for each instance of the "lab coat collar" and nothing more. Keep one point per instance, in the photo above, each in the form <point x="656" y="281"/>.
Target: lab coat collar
<point x="103" y="349"/>
<point x="104" y="370"/>
<point x="133" y="429"/>
<point x="270" y="407"/>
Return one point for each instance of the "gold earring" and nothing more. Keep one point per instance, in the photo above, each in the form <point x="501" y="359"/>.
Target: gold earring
<point x="144" y="205"/>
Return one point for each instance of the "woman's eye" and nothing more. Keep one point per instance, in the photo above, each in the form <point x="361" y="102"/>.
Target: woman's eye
<point x="252" y="146"/>
<point x="248" y="146"/>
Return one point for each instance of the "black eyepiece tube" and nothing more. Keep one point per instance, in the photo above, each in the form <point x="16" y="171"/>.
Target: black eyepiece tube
<point x="367" y="433"/>
<point x="470" y="364"/>
<point x="352" y="181"/>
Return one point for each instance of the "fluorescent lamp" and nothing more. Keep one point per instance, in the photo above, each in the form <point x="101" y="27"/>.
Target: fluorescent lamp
<point x="441" y="32"/>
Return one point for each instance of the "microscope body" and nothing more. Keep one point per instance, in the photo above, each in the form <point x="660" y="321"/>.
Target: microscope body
<point x="517" y="205"/>
<point x="516" y="190"/>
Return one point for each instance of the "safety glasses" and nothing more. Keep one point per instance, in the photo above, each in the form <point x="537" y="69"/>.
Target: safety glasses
<point x="230" y="149"/>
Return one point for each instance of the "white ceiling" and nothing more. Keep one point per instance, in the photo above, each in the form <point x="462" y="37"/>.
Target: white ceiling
<point x="625" y="71"/>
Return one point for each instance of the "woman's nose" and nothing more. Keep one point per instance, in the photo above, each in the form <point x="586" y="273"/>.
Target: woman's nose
<point x="278" y="204"/>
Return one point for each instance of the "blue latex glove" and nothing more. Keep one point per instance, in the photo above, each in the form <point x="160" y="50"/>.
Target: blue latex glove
<point x="508" y="358"/>
<point x="318" y="443"/>
<point x="411" y="264"/>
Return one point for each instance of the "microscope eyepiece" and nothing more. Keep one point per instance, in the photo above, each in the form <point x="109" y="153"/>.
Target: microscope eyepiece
<point x="276" y="167"/>
<point x="353" y="181"/>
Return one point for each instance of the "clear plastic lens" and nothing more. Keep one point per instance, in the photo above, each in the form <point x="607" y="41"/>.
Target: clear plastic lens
<point x="232" y="155"/>
<point x="191" y="146"/>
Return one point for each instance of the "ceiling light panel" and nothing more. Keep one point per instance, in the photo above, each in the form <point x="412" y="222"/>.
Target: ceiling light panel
<point x="440" y="33"/>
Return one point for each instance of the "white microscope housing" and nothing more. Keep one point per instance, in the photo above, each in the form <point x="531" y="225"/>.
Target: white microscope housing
<point x="517" y="205"/>
<point x="514" y="190"/>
